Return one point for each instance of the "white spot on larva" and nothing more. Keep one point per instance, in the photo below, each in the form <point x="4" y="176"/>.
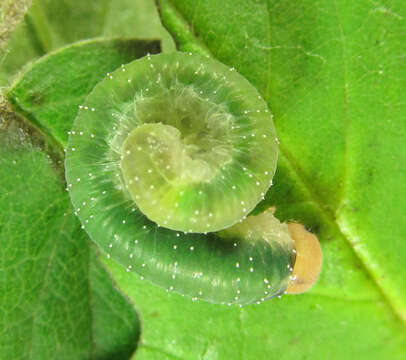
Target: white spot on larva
<point x="73" y="149"/>
<point x="192" y="248"/>
<point x="238" y="280"/>
<point x="233" y="187"/>
<point x="235" y="244"/>
<point x="251" y="269"/>
<point x="237" y="265"/>
<point x="110" y="245"/>
<point x="78" y="179"/>
<point x="123" y="221"/>
<point x="251" y="258"/>
<point x="92" y="136"/>
<point x="175" y="247"/>
<point x="143" y="265"/>
<point x="93" y="109"/>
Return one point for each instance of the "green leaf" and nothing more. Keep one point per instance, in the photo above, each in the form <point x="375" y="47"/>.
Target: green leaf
<point x="309" y="326"/>
<point x="50" y="91"/>
<point x="51" y="24"/>
<point x="332" y="74"/>
<point x="56" y="300"/>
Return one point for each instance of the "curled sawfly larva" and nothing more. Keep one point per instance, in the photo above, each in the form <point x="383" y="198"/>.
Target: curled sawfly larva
<point x="165" y="160"/>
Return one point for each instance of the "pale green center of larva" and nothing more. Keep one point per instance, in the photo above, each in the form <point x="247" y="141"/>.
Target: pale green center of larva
<point x="182" y="146"/>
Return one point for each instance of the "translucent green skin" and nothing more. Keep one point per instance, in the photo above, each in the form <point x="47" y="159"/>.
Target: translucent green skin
<point x="215" y="132"/>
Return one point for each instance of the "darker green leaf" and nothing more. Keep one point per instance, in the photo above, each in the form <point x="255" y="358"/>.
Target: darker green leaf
<point x="56" y="300"/>
<point x="50" y="92"/>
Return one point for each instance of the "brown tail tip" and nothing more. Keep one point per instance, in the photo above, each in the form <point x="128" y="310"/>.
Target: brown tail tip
<point x="309" y="258"/>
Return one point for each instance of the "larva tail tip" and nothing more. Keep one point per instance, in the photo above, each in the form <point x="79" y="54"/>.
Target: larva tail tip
<point x="309" y="258"/>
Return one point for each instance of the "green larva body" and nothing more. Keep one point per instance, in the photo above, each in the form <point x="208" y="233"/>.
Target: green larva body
<point x="166" y="153"/>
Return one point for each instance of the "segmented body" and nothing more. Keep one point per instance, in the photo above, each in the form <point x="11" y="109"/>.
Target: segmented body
<point x="166" y="153"/>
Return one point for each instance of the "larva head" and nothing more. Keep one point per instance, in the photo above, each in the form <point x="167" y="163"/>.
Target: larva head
<point x="309" y="259"/>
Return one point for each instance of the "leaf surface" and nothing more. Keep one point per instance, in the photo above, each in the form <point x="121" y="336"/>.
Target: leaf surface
<point x="332" y="74"/>
<point x="56" y="300"/>
<point x="51" y="24"/>
<point x="50" y="92"/>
